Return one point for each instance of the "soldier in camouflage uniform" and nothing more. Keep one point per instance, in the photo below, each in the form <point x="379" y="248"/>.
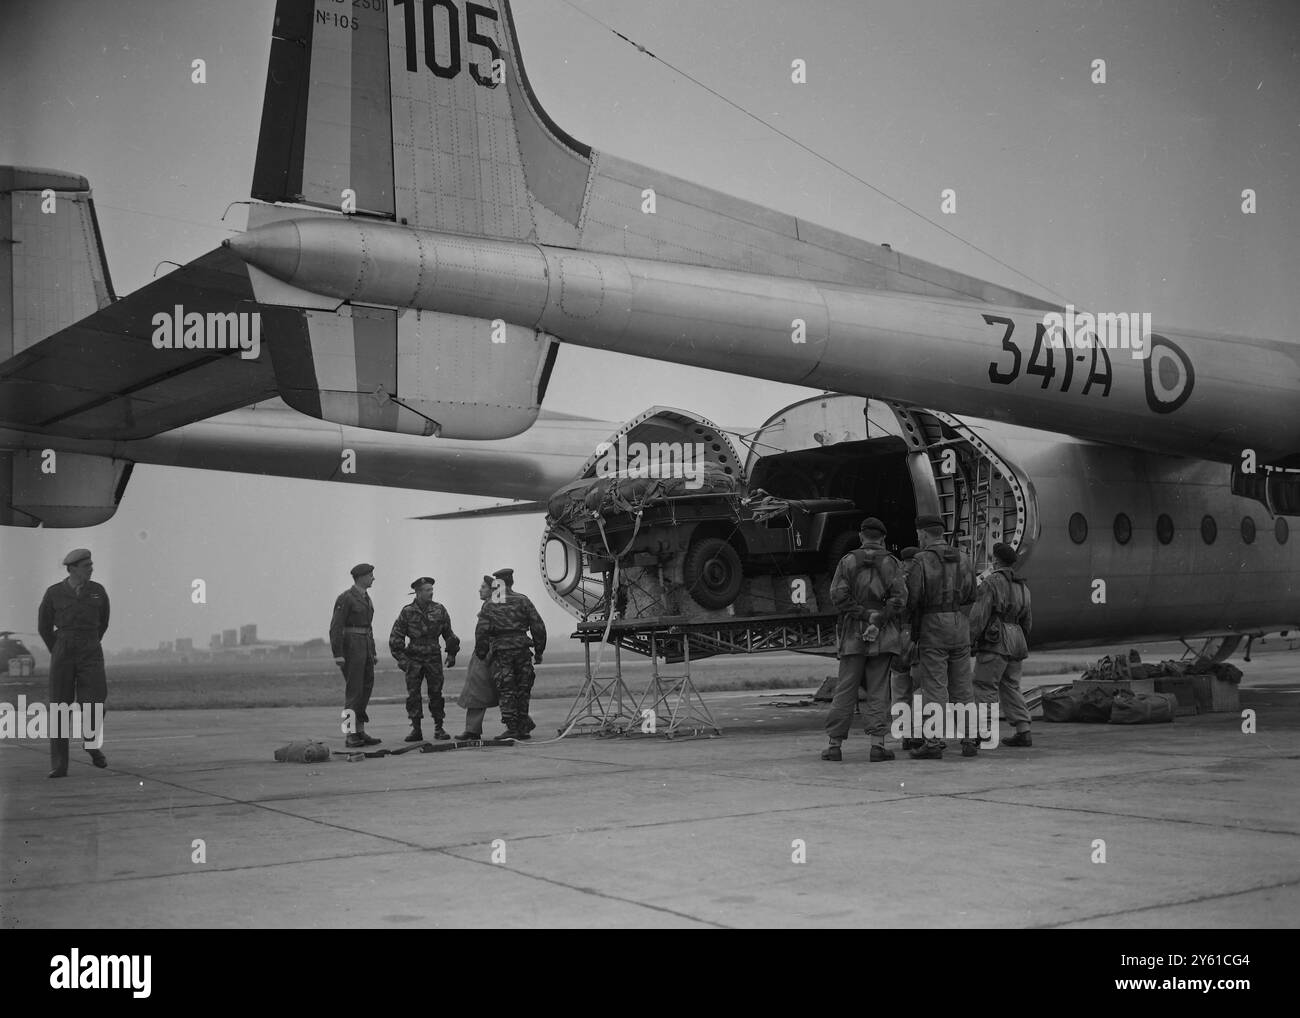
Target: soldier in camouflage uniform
<point x="1000" y="624"/>
<point x="904" y="677"/>
<point x="421" y="623"/>
<point x="941" y="590"/>
<point x="503" y="628"/>
<point x="869" y="592"/>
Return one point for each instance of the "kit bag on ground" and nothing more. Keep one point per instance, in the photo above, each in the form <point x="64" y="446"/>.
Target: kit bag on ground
<point x="1096" y="706"/>
<point x="303" y="752"/>
<point x="1061" y="705"/>
<point x="1142" y="708"/>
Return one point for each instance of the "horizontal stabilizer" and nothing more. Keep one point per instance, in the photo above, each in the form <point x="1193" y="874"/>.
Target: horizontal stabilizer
<point x="103" y="377"/>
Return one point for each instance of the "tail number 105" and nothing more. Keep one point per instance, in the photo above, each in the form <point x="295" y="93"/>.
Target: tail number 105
<point x="473" y="37"/>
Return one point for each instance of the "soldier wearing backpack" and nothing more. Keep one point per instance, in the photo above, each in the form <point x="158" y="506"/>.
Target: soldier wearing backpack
<point x="869" y="592"/>
<point x="940" y="591"/>
<point x="1000" y="622"/>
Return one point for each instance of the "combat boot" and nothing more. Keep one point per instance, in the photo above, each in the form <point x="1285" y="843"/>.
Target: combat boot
<point x="929" y="751"/>
<point x="369" y="740"/>
<point x="97" y="758"/>
<point x="1019" y="739"/>
<point x="469" y="736"/>
<point x="833" y="754"/>
<point x="355" y="741"/>
<point x="439" y="732"/>
<point x="417" y="733"/>
<point x="879" y="754"/>
<point x="970" y="747"/>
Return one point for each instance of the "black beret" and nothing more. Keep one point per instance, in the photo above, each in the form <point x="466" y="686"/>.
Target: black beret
<point x="1005" y="554"/>
<point x="908" y="553"/>
<point x="929" y="521"/>
<point x="873" y="524"/>
<point x="505" y="574"/>
<point x="75" y="556"/>
<point x="417" y="584"/>
<point x="360" y="570"/>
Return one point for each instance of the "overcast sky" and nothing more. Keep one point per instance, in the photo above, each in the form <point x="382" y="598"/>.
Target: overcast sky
<point x="1125" y="196"/>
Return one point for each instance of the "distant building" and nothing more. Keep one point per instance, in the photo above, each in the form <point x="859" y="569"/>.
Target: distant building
<point x="215" y="642"/>
<point x="184" y="645"/>
<point x="229" y="638"/>
<point x="247" y="635"/>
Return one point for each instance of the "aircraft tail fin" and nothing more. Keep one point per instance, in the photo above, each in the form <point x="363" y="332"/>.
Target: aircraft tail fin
<point x="52" y="267"/>
<point x="420" y="111"/>
<point x="417" y="111"/>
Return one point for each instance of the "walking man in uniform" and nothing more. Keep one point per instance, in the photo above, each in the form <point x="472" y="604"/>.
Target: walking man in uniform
<point x="421" y="623"/>
<point x="72" y="620"/>
<point x="869" y="592"/>
<point x="353" y="644"/>
<point x="504" y="625"/>
<point x="1000" y="622"/>
<point x="941" y="592"/>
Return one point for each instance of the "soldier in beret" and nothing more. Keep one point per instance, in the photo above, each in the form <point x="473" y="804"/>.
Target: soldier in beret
<point x="869" y="593"/>
<point x="503" y="628"/>
<point x="413" y="643"/>
<point x="353" y="644"/>
<point x="941" y="592"/>
<point x="1000" y="623"/>
<point x="72" y="620"/>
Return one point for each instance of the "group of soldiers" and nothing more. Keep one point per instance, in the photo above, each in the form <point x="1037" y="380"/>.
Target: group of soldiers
<point x="922" y="619"/>
<point x="509" y="637"/>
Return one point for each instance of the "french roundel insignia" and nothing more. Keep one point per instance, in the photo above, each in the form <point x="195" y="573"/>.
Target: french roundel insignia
<point x="1168" y="374"/>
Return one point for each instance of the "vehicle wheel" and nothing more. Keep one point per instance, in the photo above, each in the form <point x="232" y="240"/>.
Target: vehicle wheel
<point x="712" y="572"/>
<point x="839" y="546"/>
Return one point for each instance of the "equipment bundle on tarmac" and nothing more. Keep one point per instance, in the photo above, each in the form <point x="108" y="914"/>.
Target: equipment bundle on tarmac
<point x="1122" y="690"/>
<point x="314" y="751"/>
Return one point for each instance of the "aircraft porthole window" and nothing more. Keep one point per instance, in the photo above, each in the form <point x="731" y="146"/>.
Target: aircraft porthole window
<point x="1281" y="530"/>
<point x="1078" y="528"/>
<point x="1209" y="529"/>
<point x="1123" y="529"/>
<point x="1164" y="528"/>
<point x="1248" y="530"/>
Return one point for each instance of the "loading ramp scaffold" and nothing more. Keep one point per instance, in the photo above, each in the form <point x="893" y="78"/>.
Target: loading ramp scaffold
<point x="671" y="704"/>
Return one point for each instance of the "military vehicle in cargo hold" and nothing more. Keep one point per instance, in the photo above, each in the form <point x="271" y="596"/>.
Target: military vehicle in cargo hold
<point x="703" y="537"/>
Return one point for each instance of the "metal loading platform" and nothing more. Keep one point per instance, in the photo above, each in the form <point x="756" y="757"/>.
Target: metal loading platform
<point x="671" y="704"/>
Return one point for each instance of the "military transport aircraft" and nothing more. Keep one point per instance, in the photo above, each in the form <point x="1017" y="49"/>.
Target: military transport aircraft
<point x="424" y="237"/>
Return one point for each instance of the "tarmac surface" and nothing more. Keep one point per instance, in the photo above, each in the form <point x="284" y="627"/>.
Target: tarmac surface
<point x="194" y="825"/>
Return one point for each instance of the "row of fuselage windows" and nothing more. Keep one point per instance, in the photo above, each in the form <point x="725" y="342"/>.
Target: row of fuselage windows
<point x="1122" y="528"/>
